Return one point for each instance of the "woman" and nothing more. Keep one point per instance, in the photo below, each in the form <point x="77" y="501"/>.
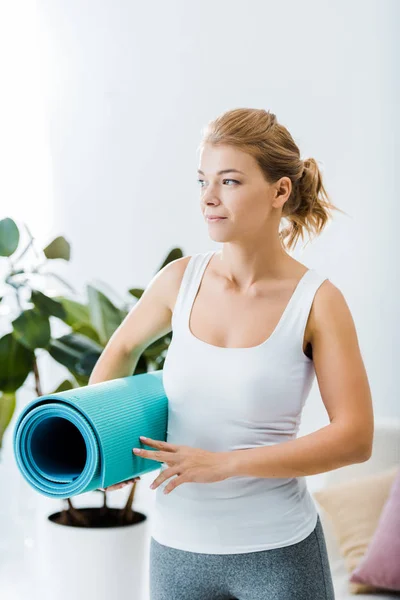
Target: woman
<point x="252" y="327"/>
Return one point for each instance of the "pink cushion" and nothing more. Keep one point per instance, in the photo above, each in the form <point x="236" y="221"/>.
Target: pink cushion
<point x="380" y="565"/>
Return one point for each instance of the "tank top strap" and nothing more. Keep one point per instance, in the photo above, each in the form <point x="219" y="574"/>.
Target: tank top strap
<point x="299" y="309"/>
<point x="189" y="285"/>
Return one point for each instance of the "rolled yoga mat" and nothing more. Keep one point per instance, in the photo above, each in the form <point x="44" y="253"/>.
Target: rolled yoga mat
<point x="78" y="440"/>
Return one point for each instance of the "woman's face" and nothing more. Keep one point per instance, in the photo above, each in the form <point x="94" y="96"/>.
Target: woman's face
<point x="250" y="204"/>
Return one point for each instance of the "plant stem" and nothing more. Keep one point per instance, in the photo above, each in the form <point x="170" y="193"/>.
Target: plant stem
<point x="75" y="514"/>
<point x="38" y="386"/>
<point x="126" y="512"/>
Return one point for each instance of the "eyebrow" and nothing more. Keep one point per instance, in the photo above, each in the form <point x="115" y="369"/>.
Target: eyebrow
<point x="224" y="171"/>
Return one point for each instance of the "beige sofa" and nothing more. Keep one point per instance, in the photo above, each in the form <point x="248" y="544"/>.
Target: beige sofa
<point x="385" y="454"/>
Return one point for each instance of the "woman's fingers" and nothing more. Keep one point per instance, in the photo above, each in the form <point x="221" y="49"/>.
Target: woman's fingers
<point x="120" y="485"/>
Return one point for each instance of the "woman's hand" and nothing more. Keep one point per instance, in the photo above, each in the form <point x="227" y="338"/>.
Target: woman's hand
<point x="190" y="464"/>
<point x="119" y="485"/>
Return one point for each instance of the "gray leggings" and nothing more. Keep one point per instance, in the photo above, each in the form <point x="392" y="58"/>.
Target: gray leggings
<point x="297" y="572"/>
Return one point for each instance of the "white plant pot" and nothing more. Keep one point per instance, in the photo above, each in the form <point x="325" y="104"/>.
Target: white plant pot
<point x="82" y="563"/>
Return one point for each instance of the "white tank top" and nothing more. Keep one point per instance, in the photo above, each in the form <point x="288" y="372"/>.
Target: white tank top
<point x="223" y="399"/>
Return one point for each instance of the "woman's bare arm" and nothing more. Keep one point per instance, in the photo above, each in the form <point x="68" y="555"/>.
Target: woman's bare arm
<point x="148" y="320"/>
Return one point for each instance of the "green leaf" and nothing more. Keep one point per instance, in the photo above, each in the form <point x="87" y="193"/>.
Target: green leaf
<point x="75" y="351"/>
<point x="103" y="287"/>
<point x="142" y="365"/>
<point x="65" y="385"/>
<point x="174" y="254"/>
<point x="7" y="407"/>
<point x="9" y="237"/>
<point x="47" y="306"/>
<point x="58" y="248"/>
<point x="81" y="380"/>
<point x="88" y="331"/>
<point x="104" y="315"/>
<point x="157" y="347"/>
<point x="77" y="314"/>
<point x="86" y="363"/>
<point x="32" y="329"/>
<point x="16" y="272"/>
<point x="137" y="292"/>
<point x="16" y="362"/>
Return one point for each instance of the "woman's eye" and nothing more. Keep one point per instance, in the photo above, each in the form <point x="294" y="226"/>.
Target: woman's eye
<point x="234" y="181"/>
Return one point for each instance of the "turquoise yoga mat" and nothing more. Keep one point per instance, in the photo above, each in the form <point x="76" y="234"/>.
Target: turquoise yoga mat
<point x="78" y="440"/>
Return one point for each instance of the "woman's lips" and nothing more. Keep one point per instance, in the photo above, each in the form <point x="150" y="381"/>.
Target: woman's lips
<point x="215" y="218"/>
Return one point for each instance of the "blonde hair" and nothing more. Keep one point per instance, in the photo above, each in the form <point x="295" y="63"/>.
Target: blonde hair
<point x="257" y="132"/>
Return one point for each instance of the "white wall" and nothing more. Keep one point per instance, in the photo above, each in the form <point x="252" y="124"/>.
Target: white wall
<point x="127" y="88"/>
<point x="130" y="85"/>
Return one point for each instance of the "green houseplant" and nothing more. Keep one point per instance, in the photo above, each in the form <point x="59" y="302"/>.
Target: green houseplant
<point x="91" y="323"/>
